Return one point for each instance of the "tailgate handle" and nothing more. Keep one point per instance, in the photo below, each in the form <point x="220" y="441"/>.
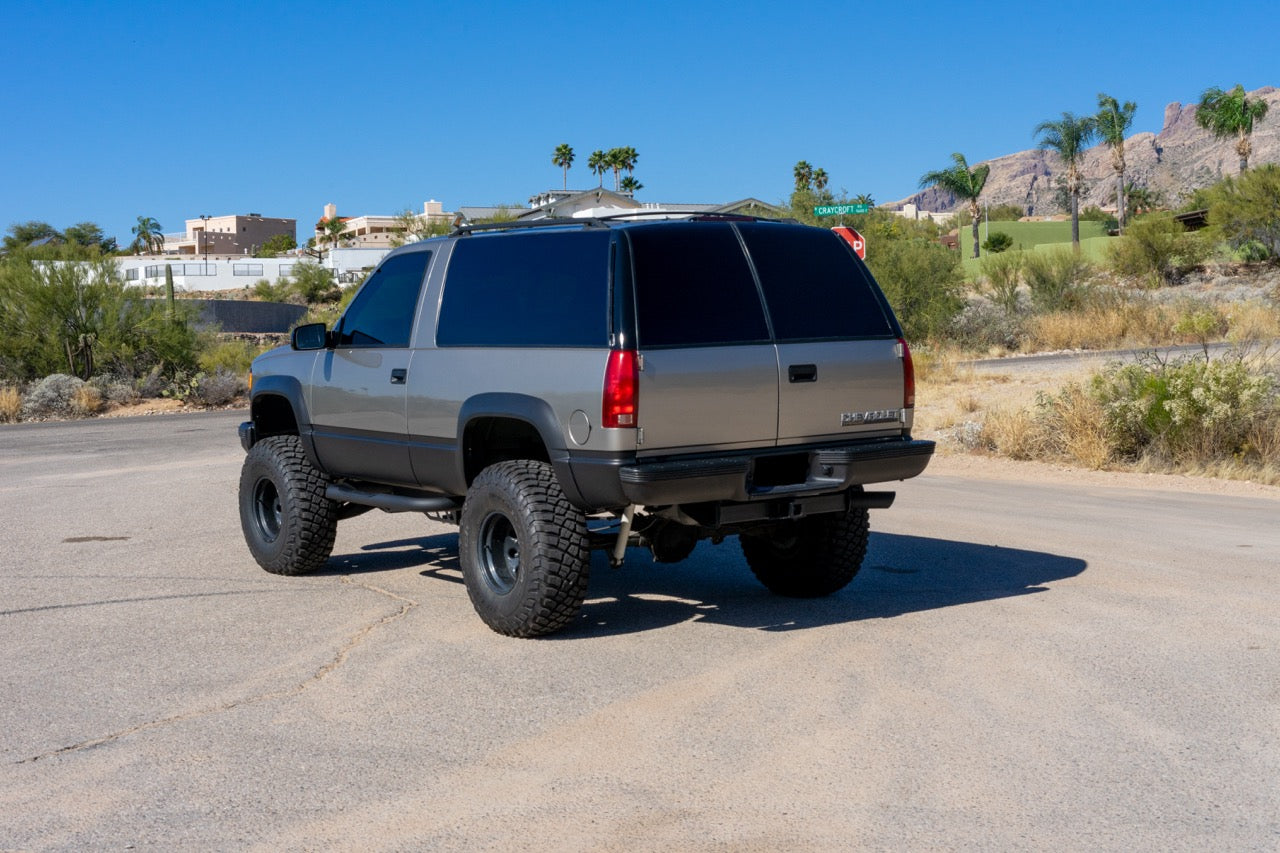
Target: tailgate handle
<point x="802" y="373"/>
<point x="398" y="375"/>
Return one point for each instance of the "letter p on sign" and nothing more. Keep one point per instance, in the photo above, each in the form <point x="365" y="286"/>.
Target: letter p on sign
<point x="854" y="239"/>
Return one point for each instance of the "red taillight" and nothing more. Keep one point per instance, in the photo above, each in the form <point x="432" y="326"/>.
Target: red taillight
<point x="621" y="390"/>
<point x="908" y="377"/>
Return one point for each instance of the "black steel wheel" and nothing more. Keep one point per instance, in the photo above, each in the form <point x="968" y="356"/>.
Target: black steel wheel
<point x="523" y="548"/>
<point x="287" y="521"/>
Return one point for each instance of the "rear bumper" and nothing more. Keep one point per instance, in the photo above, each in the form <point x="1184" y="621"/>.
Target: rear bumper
<point x="757" y="475"/>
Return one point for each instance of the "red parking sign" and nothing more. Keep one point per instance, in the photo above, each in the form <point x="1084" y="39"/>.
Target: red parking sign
<point x="854" y="239"/>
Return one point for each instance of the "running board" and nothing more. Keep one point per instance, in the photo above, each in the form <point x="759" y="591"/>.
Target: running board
<point x="389" y="502"/>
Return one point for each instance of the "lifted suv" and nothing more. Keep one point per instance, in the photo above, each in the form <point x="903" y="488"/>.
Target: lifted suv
<point x="592" y="384"/>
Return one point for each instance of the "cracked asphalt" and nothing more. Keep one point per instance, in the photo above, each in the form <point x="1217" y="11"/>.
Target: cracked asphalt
<point x="1023" y="663"/>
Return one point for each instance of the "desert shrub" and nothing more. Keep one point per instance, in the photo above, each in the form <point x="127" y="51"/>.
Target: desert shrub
<point x="313" y="284"/>
<point x="1001" y="274"/>
<point x="997" y="242"/>
<point x="1243" y="210"/>
<point x="1058" y="279"/>
<point x="1187" y="410"/>
<point x="115" y="389"/>
<point x="1157" y="249"/>
<point x="153" y="383"/>
<point x="1072" y="425"/>
<point x="923" y="281"/>
<point x="10" y="404"/>
<point x="85" y="401"/>
<point x="228" y="356"/>
<point x="982" y="327"/>
<point x="1200" y="325"/>
<point x="1248" y="322"/>
<point x="217" y="388"/>
<point x="51" y="397"/>
<point x="268" y="292"/>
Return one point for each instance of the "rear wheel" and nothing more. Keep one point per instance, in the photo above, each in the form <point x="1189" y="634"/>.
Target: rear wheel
<point x="288" y="523"/>
<point x="524" y="549"/>
<point x="811" y="557"/>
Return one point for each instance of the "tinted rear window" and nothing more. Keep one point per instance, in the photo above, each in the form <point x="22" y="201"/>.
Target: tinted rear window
<point x="693" y="287"/>
<point x="527" y="290"/>
<point x="814" y="286"/>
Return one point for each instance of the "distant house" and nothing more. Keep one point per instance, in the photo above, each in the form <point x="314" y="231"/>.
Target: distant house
<point x="376" y="231"/>
<point x="604" y="202"/>
<point x="234" y="234"/>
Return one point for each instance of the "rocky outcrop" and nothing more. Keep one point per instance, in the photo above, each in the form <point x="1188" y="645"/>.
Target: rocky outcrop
<point x="1180" y="158"/>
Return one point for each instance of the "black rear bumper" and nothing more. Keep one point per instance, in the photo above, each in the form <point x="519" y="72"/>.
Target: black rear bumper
<point x="762" y="474"/>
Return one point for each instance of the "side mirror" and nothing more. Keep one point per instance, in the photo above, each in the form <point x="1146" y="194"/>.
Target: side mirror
<point x="308" y="337"/>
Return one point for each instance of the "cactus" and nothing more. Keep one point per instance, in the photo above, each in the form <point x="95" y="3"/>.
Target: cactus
<point x="168" y="290"/>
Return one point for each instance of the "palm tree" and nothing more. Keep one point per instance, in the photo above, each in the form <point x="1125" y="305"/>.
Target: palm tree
<point x="962" y="182"/>
<point x="804" y="175"/>
<point x="598" y="163"/>
<point x="563" y="157"/>
<point x="1113" y="123"/>
<point x="864" y="198"/>
<point x="819" y="179"/>
<point x="631" y="185"/>
<point x="617" y="158"/>
<point x="630" y="158"/>
<point x="1070" y="137"/>
<point x="333" y="229"/>
<point x="146" y="234"/>
<point x="1228" y="114"/>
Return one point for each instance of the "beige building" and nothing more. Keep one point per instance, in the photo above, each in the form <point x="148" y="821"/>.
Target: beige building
<point x="376" y="232"/>
<point x="237" y="234"/>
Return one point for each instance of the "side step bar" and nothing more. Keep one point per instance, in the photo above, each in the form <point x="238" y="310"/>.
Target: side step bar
<point x="389" y="502"/>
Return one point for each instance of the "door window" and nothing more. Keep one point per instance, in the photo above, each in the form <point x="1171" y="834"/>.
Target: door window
<point x="382" y="313"/>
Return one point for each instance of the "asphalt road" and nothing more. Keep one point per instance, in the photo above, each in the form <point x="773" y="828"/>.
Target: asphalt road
<point x="1020" y="665"/>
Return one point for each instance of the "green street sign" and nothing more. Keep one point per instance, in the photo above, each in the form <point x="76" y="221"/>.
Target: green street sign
<point x="840" y="209"/>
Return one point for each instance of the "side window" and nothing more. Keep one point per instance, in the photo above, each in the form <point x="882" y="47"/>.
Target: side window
<point x="527" y="290"/>
<point x="694" y="287"/>
<point x="382" y="313"/>
<point x="815" y="288"/>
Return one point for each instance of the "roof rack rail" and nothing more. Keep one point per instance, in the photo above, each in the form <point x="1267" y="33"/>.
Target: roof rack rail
<point x="531" y="223"/>
<point x="691" y="215"/>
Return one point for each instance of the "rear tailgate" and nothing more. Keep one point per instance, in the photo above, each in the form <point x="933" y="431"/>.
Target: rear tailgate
<point x="835" y="390"/>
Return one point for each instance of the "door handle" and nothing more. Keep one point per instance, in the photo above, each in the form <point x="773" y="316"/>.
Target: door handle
<point x="398" y="375"/>
<point x="802" y="373"/>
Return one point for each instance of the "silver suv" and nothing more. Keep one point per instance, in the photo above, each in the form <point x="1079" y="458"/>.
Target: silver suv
<point x="592" y="384"/>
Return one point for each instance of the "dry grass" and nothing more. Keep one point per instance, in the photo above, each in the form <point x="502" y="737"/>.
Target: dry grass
<point x="10" y="405"/>
<point x="86" y="401"/>
<point x="1251" y="321"/>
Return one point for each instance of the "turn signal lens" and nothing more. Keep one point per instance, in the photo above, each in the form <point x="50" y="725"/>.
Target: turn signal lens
<point x="621" y="406"/>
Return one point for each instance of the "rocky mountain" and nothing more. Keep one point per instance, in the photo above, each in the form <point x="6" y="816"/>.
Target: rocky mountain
<point x="1180" y="158"/>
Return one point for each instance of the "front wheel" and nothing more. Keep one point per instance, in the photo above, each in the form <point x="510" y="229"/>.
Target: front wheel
<point x="524" y="549"/>
<point x="288" y="523"/>
<point x="811" y="557"/>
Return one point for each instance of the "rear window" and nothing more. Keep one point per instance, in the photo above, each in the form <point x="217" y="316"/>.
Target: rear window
<point x="814" y="286"/>
<point x="527" y="290"/>
<point x="693" y="287"/>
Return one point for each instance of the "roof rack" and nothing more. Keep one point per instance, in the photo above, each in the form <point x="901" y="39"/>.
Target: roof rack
<point x="559" y="221"/>
<point x="607" y="219"/>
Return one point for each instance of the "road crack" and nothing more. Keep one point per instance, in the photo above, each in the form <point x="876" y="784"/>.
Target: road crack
<point x="340" y="657"/>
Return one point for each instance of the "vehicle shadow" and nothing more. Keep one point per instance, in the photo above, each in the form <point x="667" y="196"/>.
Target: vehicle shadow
<point x="901" y="574"/>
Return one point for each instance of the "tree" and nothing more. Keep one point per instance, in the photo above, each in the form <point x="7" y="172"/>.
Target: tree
<point x="804" y="175"/>
<point x="147" y="236"/>
<point x="1231" y="114"/>
<point x="631" y="185"/>
<point x="864" y="198"/>
<point x="630" y="156"/>
<point x="1113" y="123"/>
<point x="819" y="179"/>
<point x="1069" y="137"/>
<point x="88" y="235"/>
<point x="598" y="163"/>
<point x="1243" y="210"/>
<point x="563" y="157"/>
<point x="411" y="227"/>
<point x="81" y="318"/>
<point x="277" y="245"/>
<point x="962" y="182"/>
<point x="23" y="234"/>
<point x="617" y="161"/>
<point x="333" y="229"/>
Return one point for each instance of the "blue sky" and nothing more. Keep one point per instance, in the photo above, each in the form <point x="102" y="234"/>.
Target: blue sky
<point x="115" y="110"/>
